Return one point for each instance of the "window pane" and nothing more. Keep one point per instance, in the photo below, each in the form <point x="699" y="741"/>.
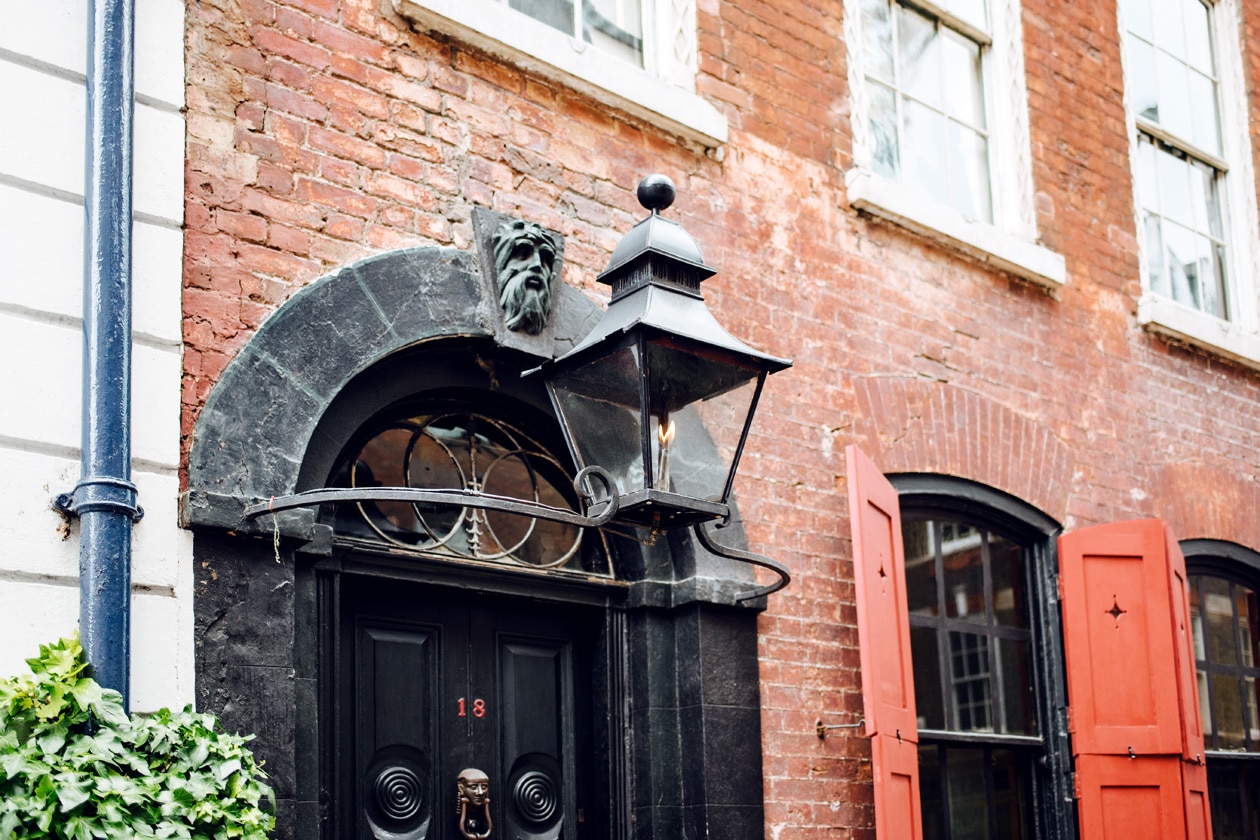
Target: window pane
<point x="1208" y="183"/>
<point x="1155" y="257"/>
<point x="1169" y="32"/>
<point x="970" y="680"/>
<point x="877" y="41"/>
<point x="1205" y="706"/>
<point x="1174" y="188"/>
<point x="1006" y="572"/>
<point x="1183" y="264"/>
<point x="1210" y="279"/>
<point x="1137" y="18"/>
<point x="1141" y="78"/>
<point x="920" y="56"/>
<point x="923" y="157"/>
<point x="1228" y="711"/>
<point x="1014" y="659"/>
<point x="1218" y="621"/>
<point x="1247" y="624"/>
<point x="886" y="154"/>
<point x="964" y="573"/>
<point x="1249" y="710"/>
<point x="971" y="11"/>
<point x="968" y="804"/>
<point x="1198" y="38"/>
<point x="969" y="169"/>
<point x="1147" y="184"/>
<point x="615" y="26"/>
<point x="925" y="654"/>
<point x="555" y="13"/>
<point x="930" y="791"/>
<point x="1011" y="796"/>
<point x="1232" y="792"/>
<point x="1174" y="96"/>
<point x="964" y="90"/>
<point x="920" y="551"/>
<point x="1207" y="135"/>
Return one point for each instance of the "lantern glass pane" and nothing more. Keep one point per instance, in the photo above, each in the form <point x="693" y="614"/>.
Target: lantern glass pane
<point x="698" y="406"/>
<point x="600" y="407"/>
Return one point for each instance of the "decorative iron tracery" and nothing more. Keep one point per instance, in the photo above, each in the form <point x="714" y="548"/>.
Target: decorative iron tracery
<point x="459" y="452"/>
<point x="388" y="503"/>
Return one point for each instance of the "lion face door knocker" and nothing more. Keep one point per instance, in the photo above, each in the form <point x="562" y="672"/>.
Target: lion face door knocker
<point x="473" y="804"/>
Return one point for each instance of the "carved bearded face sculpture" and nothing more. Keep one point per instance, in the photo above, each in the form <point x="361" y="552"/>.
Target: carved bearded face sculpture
<point x="524" y="259"/>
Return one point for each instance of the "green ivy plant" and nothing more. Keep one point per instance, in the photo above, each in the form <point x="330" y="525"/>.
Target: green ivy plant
<point x="73" y="766"/>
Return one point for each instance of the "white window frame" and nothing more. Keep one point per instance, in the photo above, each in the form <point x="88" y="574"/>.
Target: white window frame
<point x="662" y="92"/>
<point x="1010" y="243"/>
<point x="1238" y="338"/>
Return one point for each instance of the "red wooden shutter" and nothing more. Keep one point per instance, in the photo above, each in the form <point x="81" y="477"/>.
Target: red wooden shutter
<point x="895" y="771"/>
<point x="1198" y="810"/>
<point x="1118" y="640"/>
<point x="1136" y="729"/>
<point x="884" y="642"/>
<point x="1125" y="799"/>
<point x="1183" y="648"/>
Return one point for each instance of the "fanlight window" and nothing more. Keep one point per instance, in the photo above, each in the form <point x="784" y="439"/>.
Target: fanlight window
<point x="461" y="450"/>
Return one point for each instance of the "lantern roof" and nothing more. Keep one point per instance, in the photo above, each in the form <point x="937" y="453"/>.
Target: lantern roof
<point x="655" y="273"/>
<point x="656" y="242"/>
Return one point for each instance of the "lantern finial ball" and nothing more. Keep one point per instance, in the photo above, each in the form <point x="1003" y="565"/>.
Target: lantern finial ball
<point x="656" y="192"/>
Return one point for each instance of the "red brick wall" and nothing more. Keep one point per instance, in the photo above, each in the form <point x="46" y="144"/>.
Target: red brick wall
<point x="320" y="131"/>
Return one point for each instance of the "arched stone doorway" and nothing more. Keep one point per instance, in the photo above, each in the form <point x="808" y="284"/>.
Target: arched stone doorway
<point x="649" y="669"/>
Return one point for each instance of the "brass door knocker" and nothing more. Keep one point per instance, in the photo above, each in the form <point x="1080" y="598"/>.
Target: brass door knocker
<point x="473" y="788"/>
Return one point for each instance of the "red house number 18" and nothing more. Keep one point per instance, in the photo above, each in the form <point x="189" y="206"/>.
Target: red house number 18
<point x="478" y="708"/>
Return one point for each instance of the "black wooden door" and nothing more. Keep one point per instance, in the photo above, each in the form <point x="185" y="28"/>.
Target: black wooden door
<point x="435" y="683"/>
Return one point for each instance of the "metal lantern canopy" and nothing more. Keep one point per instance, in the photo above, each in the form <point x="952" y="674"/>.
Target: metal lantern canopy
<point x="659" y="395"/>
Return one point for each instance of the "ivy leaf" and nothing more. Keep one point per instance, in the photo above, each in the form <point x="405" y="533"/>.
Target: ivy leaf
<point x="72" y="792"/>
<point x="53" y="740"/>
<point x="168" y="775"/>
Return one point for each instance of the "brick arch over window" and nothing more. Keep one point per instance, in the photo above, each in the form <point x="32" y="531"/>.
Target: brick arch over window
<point x="251" y="437"/>
<point x="1208" y="500"/>
<point x="908" y="425"/>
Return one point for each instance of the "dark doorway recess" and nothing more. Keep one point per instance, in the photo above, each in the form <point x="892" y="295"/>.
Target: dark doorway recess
<point x="432" y="682"/>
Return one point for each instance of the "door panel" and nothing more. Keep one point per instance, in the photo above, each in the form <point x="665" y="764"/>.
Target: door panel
<point x="440" y="682"/>
<point x="397" y="683"/>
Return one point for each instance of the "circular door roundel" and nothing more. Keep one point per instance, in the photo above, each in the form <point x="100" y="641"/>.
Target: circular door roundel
<point x="398" y="794"/>
<point x="394" y="796"/>
<point x="537" y="795"/>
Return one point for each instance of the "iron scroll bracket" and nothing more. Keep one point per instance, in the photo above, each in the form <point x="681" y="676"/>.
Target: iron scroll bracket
<point x="604" y="501"/>
<point x="714" y="547"/>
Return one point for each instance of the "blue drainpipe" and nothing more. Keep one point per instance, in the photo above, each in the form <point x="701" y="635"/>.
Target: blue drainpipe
<point x="104" y="500"/>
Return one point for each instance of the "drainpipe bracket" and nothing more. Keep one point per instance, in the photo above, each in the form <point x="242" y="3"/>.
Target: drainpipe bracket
<point x="112" y="495"/>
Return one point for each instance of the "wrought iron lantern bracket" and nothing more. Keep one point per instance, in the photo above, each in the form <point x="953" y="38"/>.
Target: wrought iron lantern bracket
<point x="601" y="510"/>
<point x="607" y="506"/>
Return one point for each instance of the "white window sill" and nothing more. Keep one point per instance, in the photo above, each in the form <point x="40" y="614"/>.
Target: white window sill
<point x="1207" y="332"/>
<point x="537" y="47"/>
<point x="907" y="207"/>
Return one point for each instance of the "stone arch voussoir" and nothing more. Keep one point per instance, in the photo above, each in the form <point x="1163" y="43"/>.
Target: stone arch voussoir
<point x="252" y="434"/>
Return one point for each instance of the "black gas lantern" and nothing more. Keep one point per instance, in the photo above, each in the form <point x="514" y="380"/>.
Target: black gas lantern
<point x="658" y="394"/>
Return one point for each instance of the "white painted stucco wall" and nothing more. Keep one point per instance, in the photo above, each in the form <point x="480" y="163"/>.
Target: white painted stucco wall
<point x="43" y="50"/>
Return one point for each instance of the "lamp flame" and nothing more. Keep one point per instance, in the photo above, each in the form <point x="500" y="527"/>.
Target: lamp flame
<point x="665" y="433"/>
